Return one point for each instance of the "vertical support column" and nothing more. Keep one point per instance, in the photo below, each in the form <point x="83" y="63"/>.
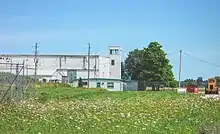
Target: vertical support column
<point x="16" y="83"/>
<point x="11" y="90"/>
<point x="23" y="80"/>
<point x="35" y="68"/>
<point x="88" y="64"/>
<point x="180" y="68"/>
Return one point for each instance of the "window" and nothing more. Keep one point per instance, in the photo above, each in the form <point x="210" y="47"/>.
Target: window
<point x="114" y="51"/>
<point x="110" y="85"/>
<point x="84" y="83"/>
<point x="98" y="85"/>
<point x="84" y="62"/>
<point x="44" y="80"/>
<point x="113" y="62"/>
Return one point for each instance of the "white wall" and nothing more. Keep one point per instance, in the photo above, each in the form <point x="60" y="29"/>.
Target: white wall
<point x="84" y="74"/>
<point x="103" y="67"/>
<point x="48" y="64"/>
<point x="115" y="70"/>
<point x="118" y="86"/>
<point x="78" y="62"/>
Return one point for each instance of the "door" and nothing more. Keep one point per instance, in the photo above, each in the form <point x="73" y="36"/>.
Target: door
<point x="98" y="84"/>
<point x="71" y="74"/>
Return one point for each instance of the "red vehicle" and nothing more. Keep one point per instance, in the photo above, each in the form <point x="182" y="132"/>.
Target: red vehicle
<point x="192" y="88"/>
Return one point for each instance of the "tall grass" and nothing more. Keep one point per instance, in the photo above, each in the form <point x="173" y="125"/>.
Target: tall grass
<point x="72" y="110"/>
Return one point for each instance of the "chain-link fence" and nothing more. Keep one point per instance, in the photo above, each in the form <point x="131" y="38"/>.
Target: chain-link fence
<point x="141" y="85"/>
<point x="14" y="82"/>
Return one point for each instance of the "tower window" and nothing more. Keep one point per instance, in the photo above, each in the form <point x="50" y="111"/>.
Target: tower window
<point x="117" y="51"/>
<point x="114" y="51"/>
<point x="113" y="62"/>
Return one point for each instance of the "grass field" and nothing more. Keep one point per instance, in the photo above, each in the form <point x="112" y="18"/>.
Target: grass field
<point x="69" y="111"/>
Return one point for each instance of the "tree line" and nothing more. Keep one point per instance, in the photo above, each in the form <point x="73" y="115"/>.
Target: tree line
<point x="198" y="82"/>
<point x="149" y="64"/>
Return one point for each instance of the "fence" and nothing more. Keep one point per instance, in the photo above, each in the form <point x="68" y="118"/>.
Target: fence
<point x="141" y="85"/>
<point x="15" y="84"/>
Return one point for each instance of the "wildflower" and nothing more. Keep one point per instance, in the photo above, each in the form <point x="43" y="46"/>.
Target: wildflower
<point x="128" y="115"/>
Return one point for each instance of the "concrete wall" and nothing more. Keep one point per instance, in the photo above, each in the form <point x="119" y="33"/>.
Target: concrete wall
<point x="115" y="70"/>
<point x="130" y="86"/>
<point x="48" y="65"/>
<point x="118" y="85"/>
<point x="103" y="67"/>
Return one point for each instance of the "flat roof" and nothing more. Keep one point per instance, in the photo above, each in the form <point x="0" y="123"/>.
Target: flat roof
<point x="53" y="55"/>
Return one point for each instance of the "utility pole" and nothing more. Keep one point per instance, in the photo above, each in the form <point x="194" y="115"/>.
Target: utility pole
<point x="16" y="83"/>
<point x="180" y="67"/>
<point x="11" y="66"/>
<point x="23" y="80"/>
<point x="35" y="67"/>
<point x="95" y="65"/>
<point x="88" y="63"/>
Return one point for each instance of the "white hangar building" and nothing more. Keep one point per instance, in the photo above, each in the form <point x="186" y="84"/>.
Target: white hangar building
<point x="104" y="71"/>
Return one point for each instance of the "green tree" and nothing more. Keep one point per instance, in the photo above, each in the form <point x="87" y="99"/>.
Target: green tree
<point x="156" y="65"/>
<point x="217" y="78"/>
<point x="190" y="82"/>
<point x="124" y="75"/>
<point x="173" y="84"/>
<point x="199" y="81"/>
<point x="133" y="64"/>
<point x="150" y="65"/>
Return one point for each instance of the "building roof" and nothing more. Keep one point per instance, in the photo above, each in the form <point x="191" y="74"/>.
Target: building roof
<point x="49" y="55"/>
<point x="100" y="79"/>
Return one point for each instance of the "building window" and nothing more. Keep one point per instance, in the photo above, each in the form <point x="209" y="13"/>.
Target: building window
<point x="84" y="83"/>
<point x="114" y="51"/>
<point x="117" y="52"/>
<point x="110" y="85"/>
<point x="44" y="80"/>
<point x="112" y="62"/>
<point x="84" y="62"/>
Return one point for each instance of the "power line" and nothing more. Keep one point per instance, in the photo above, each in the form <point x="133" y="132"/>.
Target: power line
<point x="201" y="60"/>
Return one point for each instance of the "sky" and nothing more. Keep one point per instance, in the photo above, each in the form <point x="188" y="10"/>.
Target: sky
<point x="68" y="26"/>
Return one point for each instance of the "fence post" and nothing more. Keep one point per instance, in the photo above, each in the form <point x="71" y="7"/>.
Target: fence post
<point x="16" y="82"/>
<point x="11" y="91"/>
<point x="23" y="80"/>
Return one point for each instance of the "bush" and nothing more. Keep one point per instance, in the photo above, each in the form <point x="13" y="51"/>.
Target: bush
<point x="80" y="82"/>
<point x="53" y="85"/>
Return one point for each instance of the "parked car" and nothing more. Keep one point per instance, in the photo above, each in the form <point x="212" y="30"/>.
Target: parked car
<point x="192" y="88"/>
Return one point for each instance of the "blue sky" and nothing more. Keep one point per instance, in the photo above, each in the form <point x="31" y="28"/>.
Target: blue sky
<point x="67" y="26"/>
